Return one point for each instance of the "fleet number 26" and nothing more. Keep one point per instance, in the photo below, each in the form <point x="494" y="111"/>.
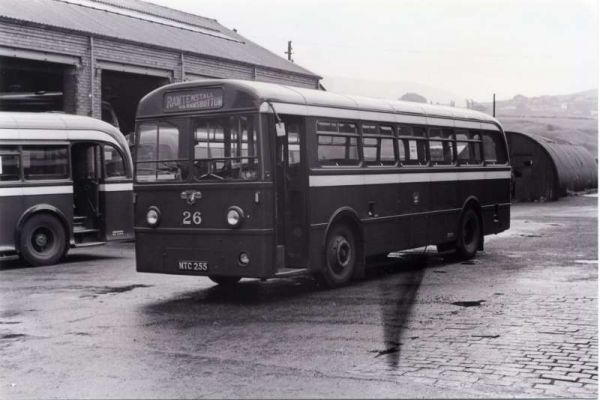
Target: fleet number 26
<point x="190" y="218"/>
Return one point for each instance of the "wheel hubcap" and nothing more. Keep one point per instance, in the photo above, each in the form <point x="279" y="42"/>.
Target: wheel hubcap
<point x="343" y="252"/>
<point x="41" y="240"/>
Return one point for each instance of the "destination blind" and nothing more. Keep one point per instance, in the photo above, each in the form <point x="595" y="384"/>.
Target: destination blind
<point x="193" y="100"/>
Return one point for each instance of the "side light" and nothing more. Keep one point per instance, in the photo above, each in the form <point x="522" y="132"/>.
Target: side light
<point x="235" y="216"/>
<point x="244" y="259"/>
<point x="153" y="216"/>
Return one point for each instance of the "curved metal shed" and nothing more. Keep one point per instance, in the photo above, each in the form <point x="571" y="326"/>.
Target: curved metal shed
<point x="546" y="169"/>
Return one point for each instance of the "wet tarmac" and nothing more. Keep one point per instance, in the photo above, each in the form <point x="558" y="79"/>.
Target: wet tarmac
<point x="518" y="320"/>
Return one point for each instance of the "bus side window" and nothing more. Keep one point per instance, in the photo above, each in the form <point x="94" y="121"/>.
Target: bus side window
<point x="10" y="164"/>
<point x="45" y="162"/>
<point x="412" y="145"/>
<point x="114" y="167"/>
<point x="340" y="147"/>
<point x="493" y="148"/>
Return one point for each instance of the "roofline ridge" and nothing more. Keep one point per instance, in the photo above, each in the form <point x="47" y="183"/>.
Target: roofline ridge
<point x="108" y="2"/>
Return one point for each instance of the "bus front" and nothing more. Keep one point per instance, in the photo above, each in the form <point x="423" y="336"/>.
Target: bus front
<point x="203" y="194"/>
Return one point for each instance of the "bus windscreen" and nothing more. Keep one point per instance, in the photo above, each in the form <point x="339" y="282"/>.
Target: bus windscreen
<point x="225" y="149"/>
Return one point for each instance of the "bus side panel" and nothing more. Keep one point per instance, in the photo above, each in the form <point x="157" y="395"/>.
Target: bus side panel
<point x="445" y="209"/>
<point x="496" y="212"/>
<point x="117" y="211"/>
<point x="11" y="208"/>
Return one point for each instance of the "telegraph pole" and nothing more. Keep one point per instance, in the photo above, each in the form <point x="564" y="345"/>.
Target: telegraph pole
<point x="289" y="51"/>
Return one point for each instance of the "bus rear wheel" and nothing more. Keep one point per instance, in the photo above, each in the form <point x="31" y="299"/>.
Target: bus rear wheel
<point x="43" y="240"/>
<point x="469" y="234"/>
<point x="340" y="256"/>
<point x="224" y="280"/>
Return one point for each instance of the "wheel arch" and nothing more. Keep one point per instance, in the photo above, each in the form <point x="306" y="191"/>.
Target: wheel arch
<point x="474" y="203"/>
<point x="40" y="209"/>
<point x="349" y="216"/>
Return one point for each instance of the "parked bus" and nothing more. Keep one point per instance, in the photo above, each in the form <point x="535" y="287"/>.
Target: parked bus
<point x="65" y="181"/>
<point x="247" y="179"/>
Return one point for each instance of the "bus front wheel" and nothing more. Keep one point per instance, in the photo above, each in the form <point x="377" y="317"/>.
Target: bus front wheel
<point x="43" y="240"/>
<point x="224" y="280"/>
<point x="469" y="234"/>
<point x="341" y="256"/>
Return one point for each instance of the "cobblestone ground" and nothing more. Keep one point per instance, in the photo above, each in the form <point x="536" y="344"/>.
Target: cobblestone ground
<point x="535" y="334"/>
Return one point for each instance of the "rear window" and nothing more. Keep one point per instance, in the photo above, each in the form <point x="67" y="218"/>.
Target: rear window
<point x="10" y="164"/>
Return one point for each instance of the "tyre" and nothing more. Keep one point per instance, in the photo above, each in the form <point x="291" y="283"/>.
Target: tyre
<point x="341" y="256"/>
<point x="224" y="280"/>
<point x="43" y="240"/>
<point x="469" y="234"/>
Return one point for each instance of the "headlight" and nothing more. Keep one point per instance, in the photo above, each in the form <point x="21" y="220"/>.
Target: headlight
<point x="152" y="216"/>
<point x="235" y="216"/>
<point x="244" y="259"/>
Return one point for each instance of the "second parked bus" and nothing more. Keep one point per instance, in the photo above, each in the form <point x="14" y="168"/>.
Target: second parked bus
<point x="247" y="179"/>
<point x="65" y="181"/>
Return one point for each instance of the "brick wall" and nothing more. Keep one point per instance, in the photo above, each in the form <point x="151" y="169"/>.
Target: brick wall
<point x="78" y="89"/>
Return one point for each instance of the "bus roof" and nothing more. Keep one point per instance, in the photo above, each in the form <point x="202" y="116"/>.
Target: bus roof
<point x="260" y="92"/>
<point x="58" y="121"/>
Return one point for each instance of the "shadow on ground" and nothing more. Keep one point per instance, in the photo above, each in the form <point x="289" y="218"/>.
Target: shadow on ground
<point x="69" y="259"/>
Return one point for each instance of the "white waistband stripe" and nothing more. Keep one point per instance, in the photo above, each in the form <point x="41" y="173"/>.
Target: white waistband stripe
<point x="35" y="190"/>
<point x="379" y="179"/>
<point x="115" y="187"/>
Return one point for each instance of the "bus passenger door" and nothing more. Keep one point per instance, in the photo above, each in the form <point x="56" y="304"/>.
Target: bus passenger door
<point x="85" y="158"/>
<point x="292" y="185"/>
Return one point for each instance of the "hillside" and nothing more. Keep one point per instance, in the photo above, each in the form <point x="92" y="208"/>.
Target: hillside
<point x="571" y="117"/>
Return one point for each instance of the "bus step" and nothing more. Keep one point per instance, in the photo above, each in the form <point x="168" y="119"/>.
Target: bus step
<point x="77" y="230"/>
<point x="289" y="272"/>
<point x="89" y="244"/>
<point x="79" y="218"/>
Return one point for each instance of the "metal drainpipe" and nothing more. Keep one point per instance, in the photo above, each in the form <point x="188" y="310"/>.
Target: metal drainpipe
<point x="92" y="76"/>
<point x="182" y="67"/>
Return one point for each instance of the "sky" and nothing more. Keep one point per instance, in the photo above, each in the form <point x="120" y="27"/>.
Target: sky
<point x="471" y="48"/>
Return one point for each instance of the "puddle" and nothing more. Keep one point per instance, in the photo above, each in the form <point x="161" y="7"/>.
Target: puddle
<point x="486" y="336"/>
<point x="475" y="303"/>
<point x="12" y="336"/>
<point x="586" y="261"/>
<point x="390" y="350"/>
<point x="117" y="289"/>
<point x="529" y="235"/>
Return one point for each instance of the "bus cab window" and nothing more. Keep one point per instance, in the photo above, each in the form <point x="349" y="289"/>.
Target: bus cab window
<point x="9" y="164"/>
<point x="158" y="155"/>
<point x="45" y="162"/>
<point x="114" y="167"/>
<point x="226" y="149"/>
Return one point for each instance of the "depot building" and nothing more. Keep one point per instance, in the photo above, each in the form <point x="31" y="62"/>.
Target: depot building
<point x="100" y="57"/>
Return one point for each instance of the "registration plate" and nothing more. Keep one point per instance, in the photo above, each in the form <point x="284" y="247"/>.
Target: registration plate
<point x="192" y="266"/>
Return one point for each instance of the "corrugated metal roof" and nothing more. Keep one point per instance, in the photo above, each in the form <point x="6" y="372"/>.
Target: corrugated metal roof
<point x="576" y="168"/>
<point x="83" y="18"/>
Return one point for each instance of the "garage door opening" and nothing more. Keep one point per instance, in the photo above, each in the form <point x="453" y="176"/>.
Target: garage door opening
<point x="27" y="85"/>
<point x="123" y="91"/>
